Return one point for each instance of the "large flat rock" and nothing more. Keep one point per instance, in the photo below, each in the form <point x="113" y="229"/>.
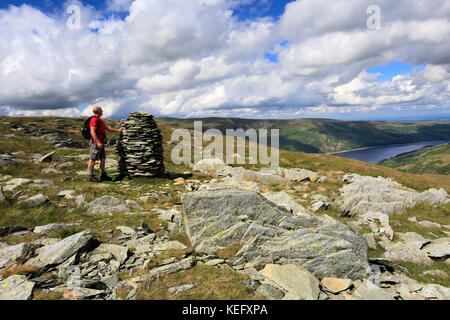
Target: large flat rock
<point x="295" y="280"/>
<point x="216" y="218"/>
<point x="10" y="255"/>
<point x="364" y="194"/>
<point x="59" y="252"/>
<point x="16" y="287"/>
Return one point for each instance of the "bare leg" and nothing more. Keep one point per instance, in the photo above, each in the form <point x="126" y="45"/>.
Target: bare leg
<point x="102" y="164"/>
<point x="91" y="165"/>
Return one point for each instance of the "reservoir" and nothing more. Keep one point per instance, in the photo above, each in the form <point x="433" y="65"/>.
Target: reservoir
<point x="376" y="154"/>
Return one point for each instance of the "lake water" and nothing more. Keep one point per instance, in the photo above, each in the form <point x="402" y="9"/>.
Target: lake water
<point x="376" y="154"/>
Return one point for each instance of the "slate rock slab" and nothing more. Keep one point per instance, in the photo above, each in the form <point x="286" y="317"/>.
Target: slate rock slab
<point x="59" y="252"/>
<point x="106" y="204"/>
<point x="212" y="219"/>
<point x="16" y="287"/>
<point x="294" y="279"/>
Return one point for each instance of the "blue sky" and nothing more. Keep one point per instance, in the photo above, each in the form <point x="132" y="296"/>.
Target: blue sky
<point x="266" y="60"/>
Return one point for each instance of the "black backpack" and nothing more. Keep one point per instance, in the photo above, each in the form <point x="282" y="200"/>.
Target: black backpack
<point x="86" y="131"/>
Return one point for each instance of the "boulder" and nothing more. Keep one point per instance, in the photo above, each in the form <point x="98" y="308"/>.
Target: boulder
<point x="384" y="195"/>
<point x="16" y="287"/>
<point x="106" y="204"/>
<point x="438" y="249"/>
<point x="335" y="285"/>
<point x="11" y="255"/>
<point x="284" y="200"/>
<point x="46" y="158"/>
<point x="294" y="279"/>
<point x="34" y="201"/>
<point x="7" y="159"/>
<point x="59" y="252"/>
<point x="51" y="228"/>
<point x="369" y="291"/>
<point x="211" y="166"/>
<point x="120" y="253"/>
<point x="296" y="174"/>
<point x="216" y="218"/>
<point x="408" y="248"/>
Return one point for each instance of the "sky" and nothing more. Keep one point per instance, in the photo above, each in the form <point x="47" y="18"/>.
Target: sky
<point x="340" y="59"/>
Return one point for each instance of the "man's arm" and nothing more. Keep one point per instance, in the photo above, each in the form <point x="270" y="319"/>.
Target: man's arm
<point x="109" y="128"/>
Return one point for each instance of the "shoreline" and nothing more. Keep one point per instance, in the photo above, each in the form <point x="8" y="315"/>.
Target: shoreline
<point x="388" y="145"/>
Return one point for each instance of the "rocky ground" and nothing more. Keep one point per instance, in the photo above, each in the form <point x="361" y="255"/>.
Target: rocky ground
<point x="214" y="231"/>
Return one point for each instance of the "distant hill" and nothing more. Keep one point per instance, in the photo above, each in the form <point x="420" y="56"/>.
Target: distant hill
<point x="427" y="160"/>
<point x="327" y="136"/>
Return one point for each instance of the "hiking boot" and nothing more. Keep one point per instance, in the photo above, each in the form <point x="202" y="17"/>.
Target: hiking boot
<point x="93" y="178"/>
<point x="105" y="177"/>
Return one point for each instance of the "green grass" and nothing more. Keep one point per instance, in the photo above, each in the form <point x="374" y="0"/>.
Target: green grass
<point x="427" y="160"/>
<point x="415" y="271"/>
<point x="211" y="283"/>
<point x="422" y="211"/>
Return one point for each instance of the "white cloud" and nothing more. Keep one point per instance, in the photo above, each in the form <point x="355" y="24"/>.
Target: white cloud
<point x="194" y="58"/>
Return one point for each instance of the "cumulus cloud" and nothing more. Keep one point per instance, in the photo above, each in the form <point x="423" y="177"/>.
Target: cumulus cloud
<point x="196" y="58"/>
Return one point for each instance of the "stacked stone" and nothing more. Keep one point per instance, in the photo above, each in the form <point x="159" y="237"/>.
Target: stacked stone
<point x="140" y="147"/>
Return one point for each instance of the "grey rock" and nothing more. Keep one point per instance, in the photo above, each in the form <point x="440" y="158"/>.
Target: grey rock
<point x="79" y="200"/>
<point x="111" y="281"/>
<point x="429" y="224"/>
<point x="211" y="166"/>
<point x="173" y="267"/>
<point x="296" y="174"/>
<point x="16" y="287"/>
<point x="34" y="201"/>
<point x="106" y="204"/>
<point x="59" y="252"/>
<point x="407" y="249"/>
<point x="120" y="253"/>
<point x="46" y="158"/>
<point x="284" y="200"/>
<point x="434" y="291"/>
<point x="126" y="230"/>
<point x="51" y="228"/>
<point x="82" y="293"/>
<point x="436" y="273"/>
<point x="162" y="246"/>
<point x="438" y="249"/>
<point x="319" y="206"/>
<point x="269" y="292"/>
<point x="10" y="255"/>
<point x="214" y="262"/>
<point x="380" y="194"/>
<point x="50" y="170"/>
<point x="180" y="289"/>
<point x="369" y="291"/>
<point x="294" y="279"/>
<point x="211" y="219"/>
<point x="68" y="194"/>
<point x="7" y="160"/>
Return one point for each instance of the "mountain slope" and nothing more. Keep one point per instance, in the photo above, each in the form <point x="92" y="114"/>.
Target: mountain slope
<point x="427" y="160"/>
<point x="327" y="136"/>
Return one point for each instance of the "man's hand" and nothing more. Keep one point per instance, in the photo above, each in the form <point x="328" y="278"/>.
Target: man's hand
<point x="120" y="130"/>
<point x="99" y="144"/>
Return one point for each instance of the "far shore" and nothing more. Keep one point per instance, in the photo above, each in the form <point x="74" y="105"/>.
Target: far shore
<point x="387" y="145"/>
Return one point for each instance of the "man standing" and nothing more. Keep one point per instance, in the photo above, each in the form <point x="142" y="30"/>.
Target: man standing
<point x="98" y="132"/>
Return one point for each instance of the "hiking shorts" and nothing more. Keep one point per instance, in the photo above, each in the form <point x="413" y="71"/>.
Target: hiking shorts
<point x="96" y="153"/>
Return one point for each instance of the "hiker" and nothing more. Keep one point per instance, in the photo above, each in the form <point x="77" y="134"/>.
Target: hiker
<point x="97" y="151"/>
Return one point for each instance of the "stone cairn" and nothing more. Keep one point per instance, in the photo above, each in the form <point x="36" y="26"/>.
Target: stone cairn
<point x="140" y="147"/>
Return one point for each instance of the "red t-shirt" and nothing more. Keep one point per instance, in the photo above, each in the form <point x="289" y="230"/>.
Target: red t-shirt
<point x="101" y="128"/>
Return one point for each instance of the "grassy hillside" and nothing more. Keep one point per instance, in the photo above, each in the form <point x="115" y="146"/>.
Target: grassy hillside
<point x="427" y="160"/>
<point x="326" y="136"/>
<point x="206" y="278"/>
